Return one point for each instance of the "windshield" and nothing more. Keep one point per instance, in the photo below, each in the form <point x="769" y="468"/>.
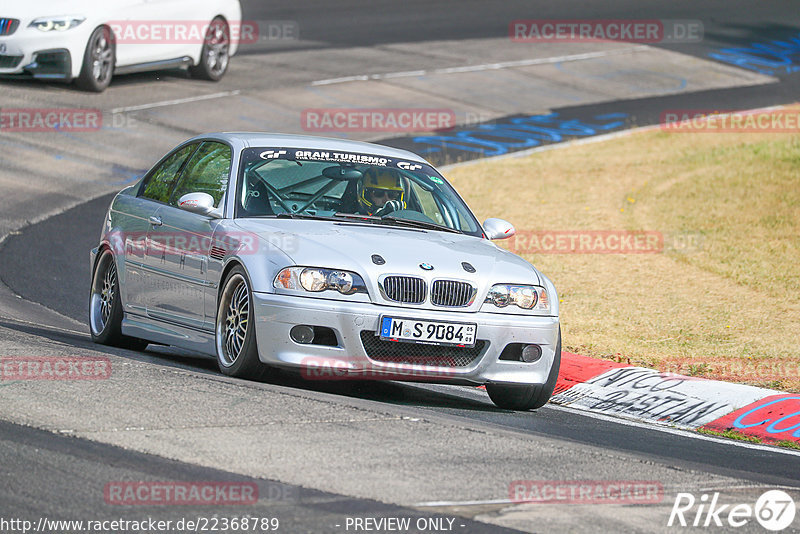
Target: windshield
<point x="314" y="183"/>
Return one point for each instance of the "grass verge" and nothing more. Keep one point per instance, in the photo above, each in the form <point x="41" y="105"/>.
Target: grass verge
<point x="721" y="299"/>
<point x="730" y="434"/>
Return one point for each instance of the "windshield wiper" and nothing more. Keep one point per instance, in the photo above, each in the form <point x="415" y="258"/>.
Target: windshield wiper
<point x="357" y="216"/>
<point x="302" y="216"/>
<point x="419" y="224"/>
<point x="397" y="221"/>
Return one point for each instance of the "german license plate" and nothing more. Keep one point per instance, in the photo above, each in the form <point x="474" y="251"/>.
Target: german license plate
<point x="435" y="332"/>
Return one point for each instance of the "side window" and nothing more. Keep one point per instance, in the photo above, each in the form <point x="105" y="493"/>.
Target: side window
<point x="207" y="171"/>
<point x="159" y="184"/>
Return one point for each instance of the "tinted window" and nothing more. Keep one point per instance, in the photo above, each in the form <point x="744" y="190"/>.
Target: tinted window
<point x="161" y="181"/>
<point x="206" y="172"/>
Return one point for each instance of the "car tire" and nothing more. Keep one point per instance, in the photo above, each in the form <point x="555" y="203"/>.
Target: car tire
<point x="234" y="333"/>
<point x="98" y="61"/>
<point x="105" y="306"/>
<point x="522" y="397"/>
<point x="215" y="54"/>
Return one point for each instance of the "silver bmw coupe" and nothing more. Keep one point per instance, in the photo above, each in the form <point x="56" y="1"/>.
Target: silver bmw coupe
<point x="336" y="258"/>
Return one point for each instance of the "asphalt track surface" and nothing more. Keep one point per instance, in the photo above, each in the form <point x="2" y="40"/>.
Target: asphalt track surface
<point x="353" y="23"/>
<point x="51" y="272"/>
<point x="726" y="24"/>
<point x="48" y="263"/>
<point x="73" y="491"/>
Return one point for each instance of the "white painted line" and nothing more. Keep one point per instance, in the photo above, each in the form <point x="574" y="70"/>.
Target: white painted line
<point x="660" y="427"/>
<point x="405" y="74"/>
<point x="463" y="503"/>
<point x="39" y="325"/>
<point x="622" y="419"/>
<point x="439" y="504"/>
<point x="176" y="101"/>
<point x="754" y="485"/>
<point x="360" y="78"/>
<point x="483" y="67"/>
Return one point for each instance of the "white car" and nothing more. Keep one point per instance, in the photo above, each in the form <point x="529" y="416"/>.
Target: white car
<point x="89" y="41"/>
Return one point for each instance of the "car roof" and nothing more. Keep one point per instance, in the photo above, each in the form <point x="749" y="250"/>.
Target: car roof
<point x="262" y="139"/>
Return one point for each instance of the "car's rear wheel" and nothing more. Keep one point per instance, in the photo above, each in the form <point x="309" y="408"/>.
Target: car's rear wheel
<point x="215" y="53"/>
<point x="105" y="306"/>
<point x="237" y="351"/>
<point x="524" y="397"/>
<point x="98" y="61"/>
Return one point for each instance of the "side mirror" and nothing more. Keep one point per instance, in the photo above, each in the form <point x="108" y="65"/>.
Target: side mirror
<point x="200" y="203"/>
<point x="498" y="229"/>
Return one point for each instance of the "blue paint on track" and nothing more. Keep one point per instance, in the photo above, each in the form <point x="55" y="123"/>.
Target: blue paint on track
<point x="772" y="58"/>
<point x="518" y="133"/>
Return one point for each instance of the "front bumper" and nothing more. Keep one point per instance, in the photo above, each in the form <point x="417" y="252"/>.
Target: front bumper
<point x="50" y="55"/>
<point x="277" y="314"/>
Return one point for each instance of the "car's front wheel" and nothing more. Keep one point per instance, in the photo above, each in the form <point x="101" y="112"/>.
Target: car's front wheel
<point x="105" y="306"/>
<point x="237" y="351"/>
<point x="215" y="53"/>
<point x="98" y="61"/>
<point x="525" y="397"/>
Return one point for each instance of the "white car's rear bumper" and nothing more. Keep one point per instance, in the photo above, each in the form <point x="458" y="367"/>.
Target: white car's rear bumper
<point x="356" y="324"/>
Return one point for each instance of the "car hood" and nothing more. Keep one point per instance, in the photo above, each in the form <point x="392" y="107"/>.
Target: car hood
<point x="351" y="246"/>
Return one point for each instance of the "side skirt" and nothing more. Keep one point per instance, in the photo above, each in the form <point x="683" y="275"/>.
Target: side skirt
<point x="155" y="65"/>
<point x="169" y="334"/>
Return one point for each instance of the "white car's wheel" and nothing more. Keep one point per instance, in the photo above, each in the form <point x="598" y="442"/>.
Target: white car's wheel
<point x="216" y="52"/>
<point x="237" y="352"/>
<point x="98" y="61"/>
<point x="105" y="306"/>
<point x="522" y="397"/>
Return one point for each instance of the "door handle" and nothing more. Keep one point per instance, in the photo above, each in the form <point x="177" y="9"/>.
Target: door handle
<point x="155" y="220"/>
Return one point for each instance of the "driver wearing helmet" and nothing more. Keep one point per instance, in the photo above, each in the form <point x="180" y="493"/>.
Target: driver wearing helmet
<point x="380" y="192"/>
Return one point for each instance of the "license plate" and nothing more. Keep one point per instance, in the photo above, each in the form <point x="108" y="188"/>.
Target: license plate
<point x="435" y="332"/>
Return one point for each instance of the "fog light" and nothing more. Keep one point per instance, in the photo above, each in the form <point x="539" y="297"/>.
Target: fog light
<point x="531" y="353"/>
<point x="302" y="334"/>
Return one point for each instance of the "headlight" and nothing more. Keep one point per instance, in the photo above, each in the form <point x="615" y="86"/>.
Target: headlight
<point x="523" y="296"/>
<point x="313" y="280"/>
<point x="59" y="24"/>
<point x="317" y="279"/>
